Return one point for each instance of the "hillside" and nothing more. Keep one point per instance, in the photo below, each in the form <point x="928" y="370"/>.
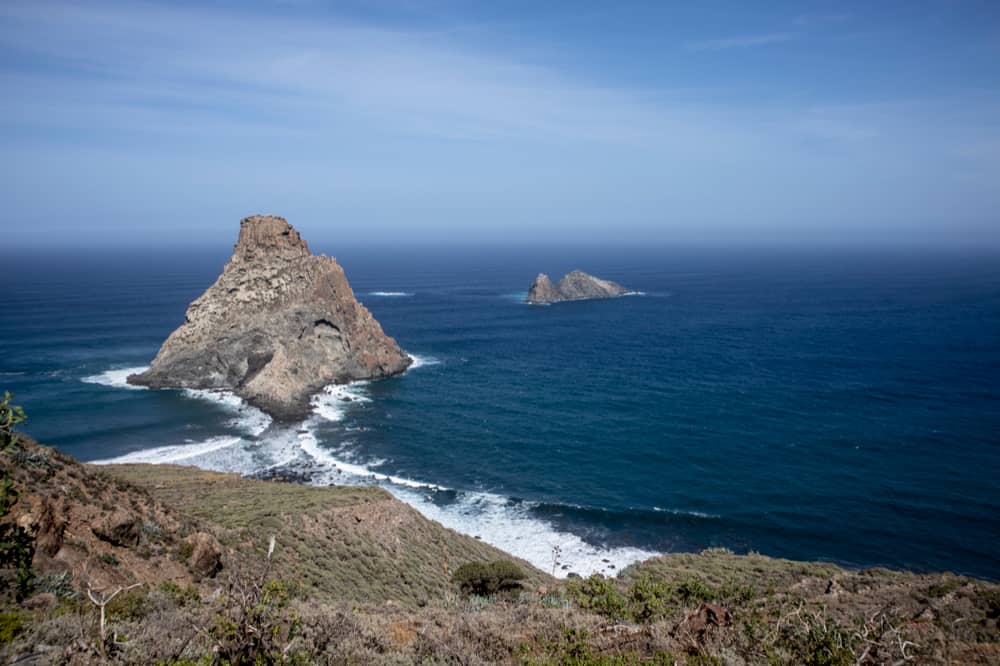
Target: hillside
<point x="337" y="543"/>
<point x="357" y="577"/>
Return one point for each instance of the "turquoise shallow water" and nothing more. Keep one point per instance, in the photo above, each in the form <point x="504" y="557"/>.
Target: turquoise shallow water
<point x="839" y="405"/>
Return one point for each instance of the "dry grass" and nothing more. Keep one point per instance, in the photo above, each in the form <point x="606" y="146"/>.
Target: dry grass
<point x="338" y="542"/>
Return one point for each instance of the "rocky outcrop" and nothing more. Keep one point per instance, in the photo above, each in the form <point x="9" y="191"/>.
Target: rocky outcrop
<point x="543" y="291"/>
<point x="277" y="326"/>
<point x="575" y="286"/>
<point x="119" y="528"/>
<point x="205" y="559"/>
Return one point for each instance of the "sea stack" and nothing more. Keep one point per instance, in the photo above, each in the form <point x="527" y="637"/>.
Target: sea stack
<point x="575" y="286"/>
<point x="277" y="326"/>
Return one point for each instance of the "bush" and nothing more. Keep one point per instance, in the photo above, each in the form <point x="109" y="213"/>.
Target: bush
<point x="133" y="605"/>
<point x="17" y="546"/>
<point x="648" y="599"/>
<point x="109" y="559"/>
<point x="181" y="596"/>
<point x="10" y="416"/>
<point x="694" y="589"/>
<point x="255" y="625"/>
<point x="11" y="624"/>
<point x="600" y="595"/>
<point x="486" y="578"/>
<point x="574" y="648"/>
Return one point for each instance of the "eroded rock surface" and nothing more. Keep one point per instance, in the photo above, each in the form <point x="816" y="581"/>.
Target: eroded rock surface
<point x="574" y="286"/>
<point x="277" y="326"/>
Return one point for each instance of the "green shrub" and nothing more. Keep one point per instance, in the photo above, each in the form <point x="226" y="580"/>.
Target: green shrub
<point x="735" y="592"/>
<point x="131" y="605"/>
<point x="11" y="624"/>
<point x="574" y="649"/>
<point x="817" y="640"/>
<point x="17" y="549"/>
<point x="59" y="584"/>
<point x="185" y="550"/>
<point x="648" y="599"/>
<point x="486" y="578"/>
<point x="694" y="589"/>
<point x="10" y="416"/>
<point x="600" y="595"/>
<point x="109" y="559"/>
<point x="181" y="596"/>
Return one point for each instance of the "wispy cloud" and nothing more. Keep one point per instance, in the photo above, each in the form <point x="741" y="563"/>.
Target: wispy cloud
<point x="112" y="103"/>
<point x="740" y="41"/>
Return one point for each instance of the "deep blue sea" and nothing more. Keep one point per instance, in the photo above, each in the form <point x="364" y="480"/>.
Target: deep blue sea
<point x="835" y="405"/>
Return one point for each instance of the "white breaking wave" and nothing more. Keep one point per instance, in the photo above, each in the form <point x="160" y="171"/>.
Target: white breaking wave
<point x="116" y="377"/>
<point x="173" y="454"/>
<point x="420" y="361"/>
<point x="391" y="294"/>
<point x="495" y="519"/>
<point x="246" y="418"/>
<point x="333" y="400"/>
<point x="682" y="512"/>
<point x="508" y="526"/>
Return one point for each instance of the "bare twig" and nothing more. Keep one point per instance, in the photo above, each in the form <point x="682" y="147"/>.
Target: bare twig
<point x="101" y="599"/>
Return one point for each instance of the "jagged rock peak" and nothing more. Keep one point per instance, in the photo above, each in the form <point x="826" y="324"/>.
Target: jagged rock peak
<point x="574" y="286"/>
<point x="277" y="326"/>
<point x="542" y="290"/>
<point x="269" y="233"/>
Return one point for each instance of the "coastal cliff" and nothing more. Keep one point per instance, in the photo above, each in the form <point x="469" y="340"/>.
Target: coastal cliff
<point x="277" y="326"/>
<point x="574" y="286"/>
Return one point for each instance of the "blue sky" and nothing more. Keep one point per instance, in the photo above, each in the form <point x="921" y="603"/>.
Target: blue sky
<point x="826" y="122"/>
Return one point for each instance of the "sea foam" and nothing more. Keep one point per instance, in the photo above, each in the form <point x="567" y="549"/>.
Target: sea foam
<point x="497" y="520"/>
<point x="116" y="377"/>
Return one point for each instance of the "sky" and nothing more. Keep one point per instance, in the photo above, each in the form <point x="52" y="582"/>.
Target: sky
<point x="452" y="121"/>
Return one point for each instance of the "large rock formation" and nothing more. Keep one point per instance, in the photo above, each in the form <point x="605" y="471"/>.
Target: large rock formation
<point x="277" y="326"/>
<point x="575" y="286"/>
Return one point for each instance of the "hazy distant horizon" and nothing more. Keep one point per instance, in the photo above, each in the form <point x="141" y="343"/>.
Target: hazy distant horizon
<point x="128" y="124"/>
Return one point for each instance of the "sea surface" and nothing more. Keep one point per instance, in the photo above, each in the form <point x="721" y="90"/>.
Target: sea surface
<point x="838" y="405"/>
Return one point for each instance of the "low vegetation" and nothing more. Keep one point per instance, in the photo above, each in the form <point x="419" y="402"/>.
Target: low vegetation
<point x="175" y="566"/>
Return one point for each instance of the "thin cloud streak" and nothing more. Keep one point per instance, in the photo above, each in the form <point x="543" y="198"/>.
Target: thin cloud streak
<point x="741" y="41"/>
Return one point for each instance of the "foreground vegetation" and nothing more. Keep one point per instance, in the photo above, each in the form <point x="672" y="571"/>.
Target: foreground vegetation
<point x="165" y="565"/>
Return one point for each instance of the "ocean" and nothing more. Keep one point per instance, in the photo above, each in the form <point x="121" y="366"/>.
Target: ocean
<point x="838" y="404"/>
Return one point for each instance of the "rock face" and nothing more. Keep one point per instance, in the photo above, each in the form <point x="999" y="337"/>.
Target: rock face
<point x="543" y="291"/>
<point x="205" y="559"/>
<point x="575" y="286"/>
<point x="277" y="326"/>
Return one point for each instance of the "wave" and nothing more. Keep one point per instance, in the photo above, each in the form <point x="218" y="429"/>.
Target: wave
<point x="503" y="522"/>
<point x="332" y="402"/>
<point x="420" y="361"/>
<point x="172" y="454"/>
<point x="693" y="514"/>
<point x="391" y="294"/>
<point x="116" y="377"/>
<point x="246" y="417"/>
<point x="497" y="520"/>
